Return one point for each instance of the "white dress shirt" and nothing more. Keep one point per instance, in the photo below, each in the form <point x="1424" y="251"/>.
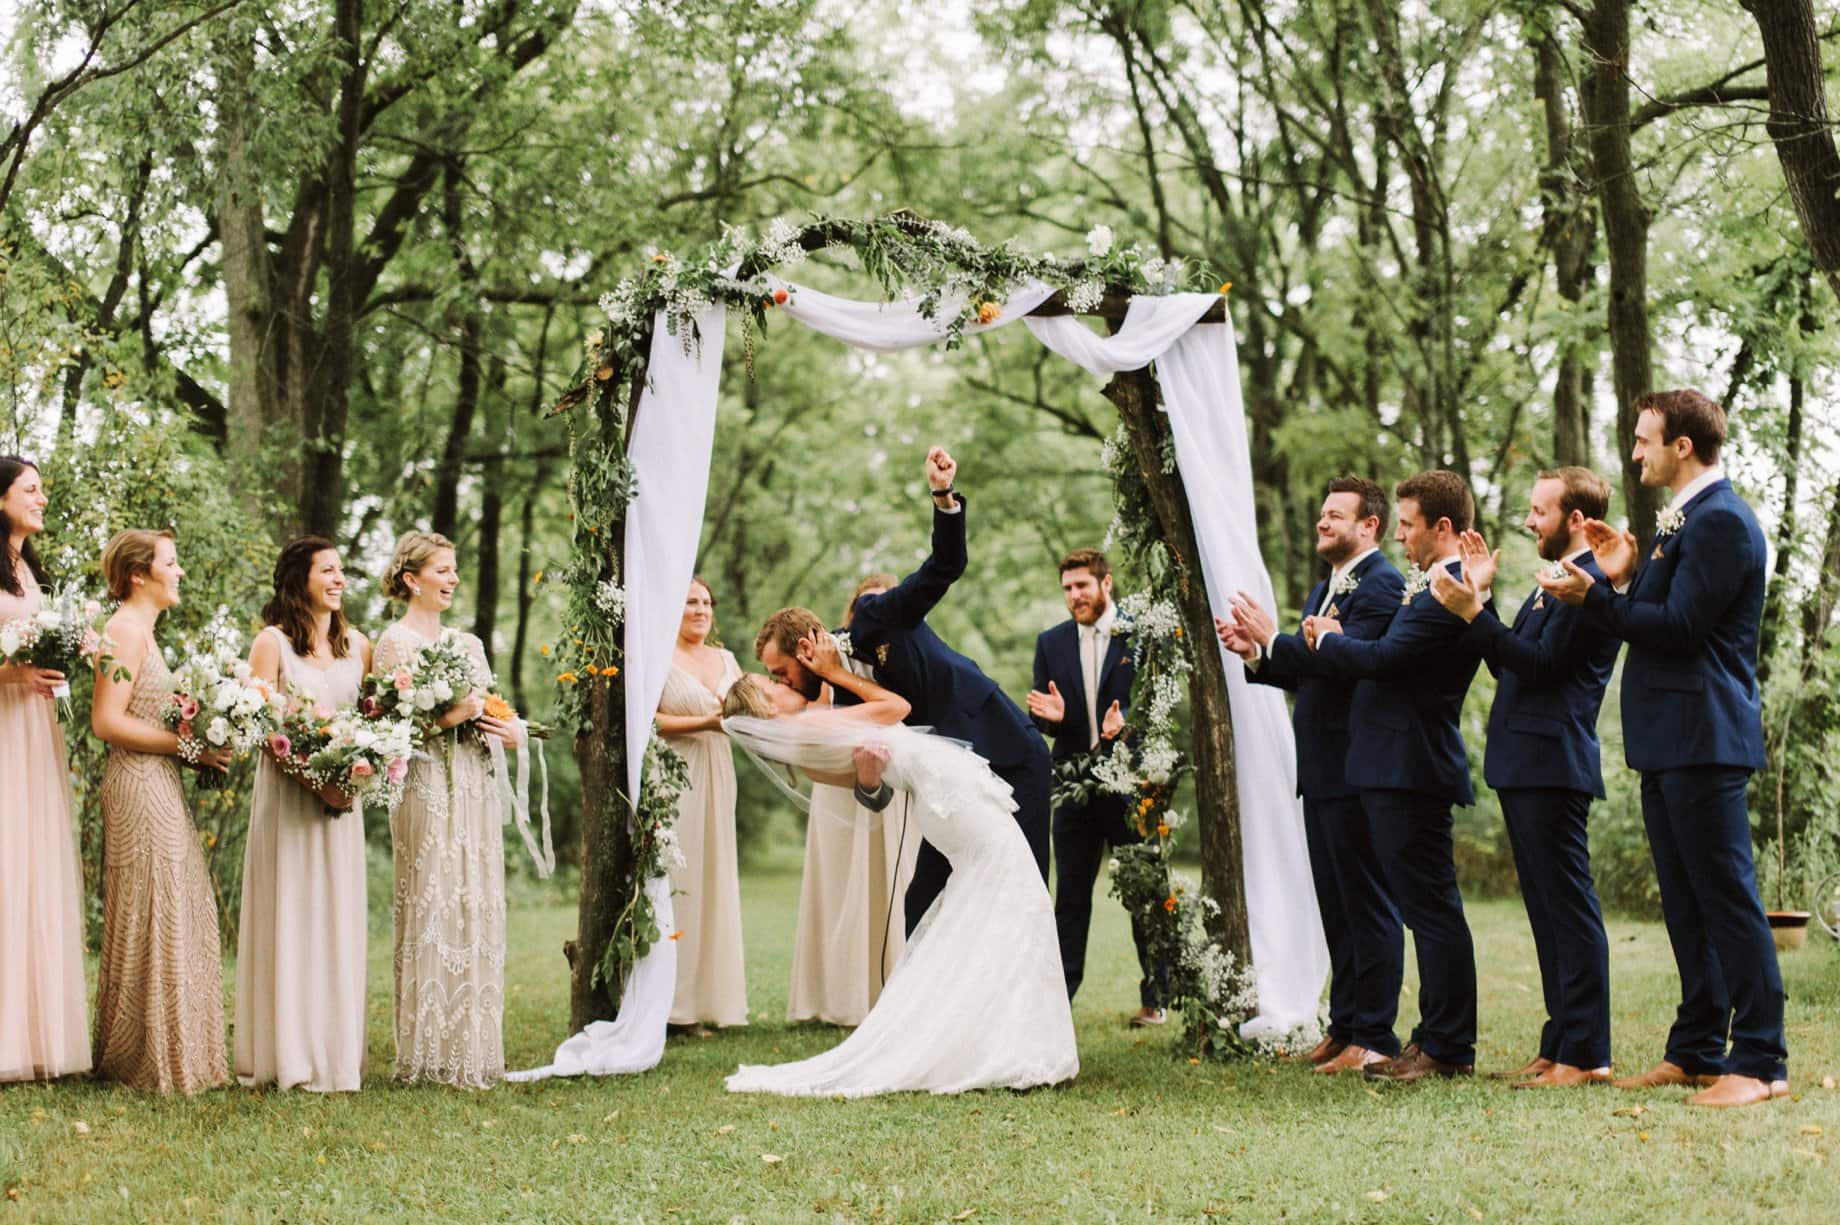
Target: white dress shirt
<point x="1698" y="485"/>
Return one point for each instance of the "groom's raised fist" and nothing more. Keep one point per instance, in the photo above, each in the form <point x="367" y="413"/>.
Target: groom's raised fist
<point x="940" y="469"/>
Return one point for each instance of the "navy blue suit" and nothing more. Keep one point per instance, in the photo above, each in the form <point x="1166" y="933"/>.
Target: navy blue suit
<point x="1544" y="762"/>
<point x="1407" y="760"/>
<point x="1693" y="725"/>
<point x="1360" y="920"/>
<point x="951" y="695"/>
<point x="1083" y="831"/>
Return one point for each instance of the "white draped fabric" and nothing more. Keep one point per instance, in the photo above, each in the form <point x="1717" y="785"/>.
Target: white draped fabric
<point x="1199" y="375"/>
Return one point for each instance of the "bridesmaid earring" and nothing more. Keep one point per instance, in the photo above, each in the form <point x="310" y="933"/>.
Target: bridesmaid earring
<point x="414" y="590"/>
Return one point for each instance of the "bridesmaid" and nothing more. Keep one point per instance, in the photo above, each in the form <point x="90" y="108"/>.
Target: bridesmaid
<point x="449" y="912"/>
<point x="711" y="980"/>
<point x="43" y="1029"/>
<point x="300" y="951"/>
<point x="857" y="865"/>
<point x="160" y="990"/>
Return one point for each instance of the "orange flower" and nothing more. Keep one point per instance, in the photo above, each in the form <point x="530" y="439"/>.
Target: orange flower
<point x="498" y="708"/>
<point x="677" y="933"/>
<point x="567" y="678"/>
<point x="1169" y="903"/>
<point x="544" y="650"/>
<point x="988" y="312"/>
<point x="593" y="671"/>
<point x="1225" y="286"/>
<point x="610" y="670"/>
<point x="1178" y="631"/>
<point x="1162" y="830"/>
<point x="781" y="297"/>
<point x="659" y="257"/>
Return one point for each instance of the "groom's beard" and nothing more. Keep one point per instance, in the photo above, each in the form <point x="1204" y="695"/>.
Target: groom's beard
<point x="808" y="686"/>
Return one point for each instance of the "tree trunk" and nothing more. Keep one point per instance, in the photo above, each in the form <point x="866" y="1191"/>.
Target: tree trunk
<point x="1626" y="221"/>
<point x="1570" y="229"/>
<point x="452" y="464"/>
<point x="1775" y="604"/>
<point x="1223" y="864"/>
<point x="491" y="521"/>
<point x="526" y="598"/>
<point x="606" y="849"/>
<point x="1799" y="124"/>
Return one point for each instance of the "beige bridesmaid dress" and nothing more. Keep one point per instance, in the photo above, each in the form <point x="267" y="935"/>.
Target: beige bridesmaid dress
<point x="44" y="1027"/>
<point x="300" y="950"/>
<point x="160" y="987"/>
<point x="711" y="976"/>
<point x="857" y="865"/>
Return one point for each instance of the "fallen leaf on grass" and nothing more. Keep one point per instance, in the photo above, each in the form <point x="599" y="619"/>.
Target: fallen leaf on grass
<point x="80" y="1127"/>
<point x="1634" y="1112"/>
<point x="771" y="1158"/>
<point x="1812" y="1130"/>
<point x="1225" y="1131"/>
<point x="1376" y="1196"/>
<point x="1642" y="1136"/>
<point x="1124" y="1112"/>
<point x="727" y="1129"/>
<point x="576" y="1137"/>
<point x="966" y="1215"/>
<point x="1472" y="1212"/>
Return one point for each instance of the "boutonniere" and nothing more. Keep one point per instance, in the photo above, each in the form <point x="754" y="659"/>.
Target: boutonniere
<point x="1345" y="584"/>
<point x="881" y="655"/>
<point x="844" y="647"/>
<point x="1667" y="523"/>
<point x="1418" y="581"/>
<point x="1555" y="572"/>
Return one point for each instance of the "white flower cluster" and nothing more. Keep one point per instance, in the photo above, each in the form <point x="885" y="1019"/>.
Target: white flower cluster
<point x="781" y="245"/>
<point x="1417" y="581"/>
<point x="1085" y="297"/>
<point x="621" y="304"/>
<point x="670" y="850"/>
<point x="1556" y="571"/>
<point x="1148" y="616"/>
<point x="953" y="235"/>
<point x="1161" y="759"/>
<point x="1115" y="452"/>
<point x="1166" y="694"/>
<point x="1175" y="820"/>
<point x="611" y="600"/>
<point x="1099" y="241"/>
<point x="214" y="686"/>
<point x="1346" y="583"/>
<point x="1670" y="521"/>
<point x="1116" y="772"/>
<point x="1162" y="275"/>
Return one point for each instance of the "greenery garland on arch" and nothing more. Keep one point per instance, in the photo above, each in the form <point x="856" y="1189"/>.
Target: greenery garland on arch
<point x="937" y="263"/>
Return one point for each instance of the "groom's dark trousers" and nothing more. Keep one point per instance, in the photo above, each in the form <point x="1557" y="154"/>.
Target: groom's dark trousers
<point x="1360" y="920"/>
<point x="952" y="696"/>
<point x="1693" y="725"/>
<point x="1407" y="760"/>
<point x="1084" y="829"/>
<point x="1544" y="762"/>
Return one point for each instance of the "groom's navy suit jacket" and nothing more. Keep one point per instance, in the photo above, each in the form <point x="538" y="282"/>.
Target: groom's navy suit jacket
<point x="1403" y="732"/>
<point x="1057" y="659"/>
<point x="946" y="691"/>
<point x="1553" y="667"/>
<point x="1323" y="696"/>
<point x="1691" y="619"/>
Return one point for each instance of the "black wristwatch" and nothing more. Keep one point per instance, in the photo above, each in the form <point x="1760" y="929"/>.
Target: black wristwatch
<point x="875" y="800"/>
<point x="947" y="492"/>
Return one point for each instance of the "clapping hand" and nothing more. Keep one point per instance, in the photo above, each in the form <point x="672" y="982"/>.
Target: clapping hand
<point x="1235" y="640"/>
<point x="1112" y="724"/>
<point x="1614" y="551"/>
<point x="1569" y="588"/>
<point x="1257" y="624"/>
<point x="1479" y="564"/>
<point x="1315" y="628"/>
<point x="1050" y="707"/>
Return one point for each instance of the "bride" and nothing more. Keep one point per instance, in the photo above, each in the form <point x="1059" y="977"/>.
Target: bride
<point x="978" y="1000"/>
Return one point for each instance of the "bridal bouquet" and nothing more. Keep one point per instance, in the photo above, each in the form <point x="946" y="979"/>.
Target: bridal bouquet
<point x="426" y="685"/>
<point x="61" y="635"/>
<point x="365" y="756"/>
<point x="217" y="704"/>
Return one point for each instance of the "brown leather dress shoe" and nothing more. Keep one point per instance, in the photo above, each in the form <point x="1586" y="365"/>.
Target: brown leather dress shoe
<point x="1413" y="1065"/>
<point x="1148" y="1016"/>
<point x="1533" y="1067"/>
<point x="1350" y="1059"/>
<point x="1565" y="1076"/>
<point x="1661" y="1076"/>
<point x="1734" y="1091"/>
<point x="1326" y="1050"/>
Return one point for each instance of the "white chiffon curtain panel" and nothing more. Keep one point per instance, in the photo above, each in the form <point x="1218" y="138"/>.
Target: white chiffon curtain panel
<point x="1199" y="375"/>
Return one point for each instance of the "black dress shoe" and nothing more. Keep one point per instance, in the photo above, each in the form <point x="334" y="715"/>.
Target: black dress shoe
<point x="1413" y="1064"/>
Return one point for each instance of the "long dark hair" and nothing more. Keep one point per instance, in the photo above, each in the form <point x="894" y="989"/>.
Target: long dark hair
<point x="290" y="609"/>
<point x="10" y="468"/>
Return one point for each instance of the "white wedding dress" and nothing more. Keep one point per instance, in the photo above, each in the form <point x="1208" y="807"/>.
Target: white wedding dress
<point x="978" y="1001"/>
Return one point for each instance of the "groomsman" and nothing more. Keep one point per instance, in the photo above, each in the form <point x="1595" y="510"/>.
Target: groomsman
<point x="1083" y="677"/>
<point x="1407" y="760"/>
<point x="1360" y="921"/>
<point x="1693" y="726"/>
<point x="1544" y="763"/>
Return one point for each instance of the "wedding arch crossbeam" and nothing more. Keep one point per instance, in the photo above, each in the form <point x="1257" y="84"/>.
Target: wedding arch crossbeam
<point x="1190" y="341"/>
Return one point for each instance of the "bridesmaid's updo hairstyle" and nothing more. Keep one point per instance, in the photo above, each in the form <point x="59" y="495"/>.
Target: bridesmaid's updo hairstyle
<point x="290" y="609"/>
<point x="414" y="549"/>
<point x="11" y="468"/>
<point x="127" y="554"/>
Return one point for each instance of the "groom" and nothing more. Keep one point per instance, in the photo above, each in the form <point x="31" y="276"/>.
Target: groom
<point x="948" y="693"/>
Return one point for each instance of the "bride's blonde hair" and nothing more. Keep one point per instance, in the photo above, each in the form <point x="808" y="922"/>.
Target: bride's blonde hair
<point x="748" y="696"/>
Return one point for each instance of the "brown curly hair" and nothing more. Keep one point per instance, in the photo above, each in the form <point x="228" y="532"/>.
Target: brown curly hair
<point x="290" y="610"/>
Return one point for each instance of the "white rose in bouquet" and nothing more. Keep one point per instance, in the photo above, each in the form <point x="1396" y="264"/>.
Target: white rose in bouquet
<point x="218" y="733"/>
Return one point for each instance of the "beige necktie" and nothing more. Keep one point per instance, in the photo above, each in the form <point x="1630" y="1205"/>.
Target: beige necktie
<point x="1091" y="654"/>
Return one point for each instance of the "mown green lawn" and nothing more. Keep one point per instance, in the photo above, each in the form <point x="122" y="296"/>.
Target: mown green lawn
<point x="1140" y="1134"/>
